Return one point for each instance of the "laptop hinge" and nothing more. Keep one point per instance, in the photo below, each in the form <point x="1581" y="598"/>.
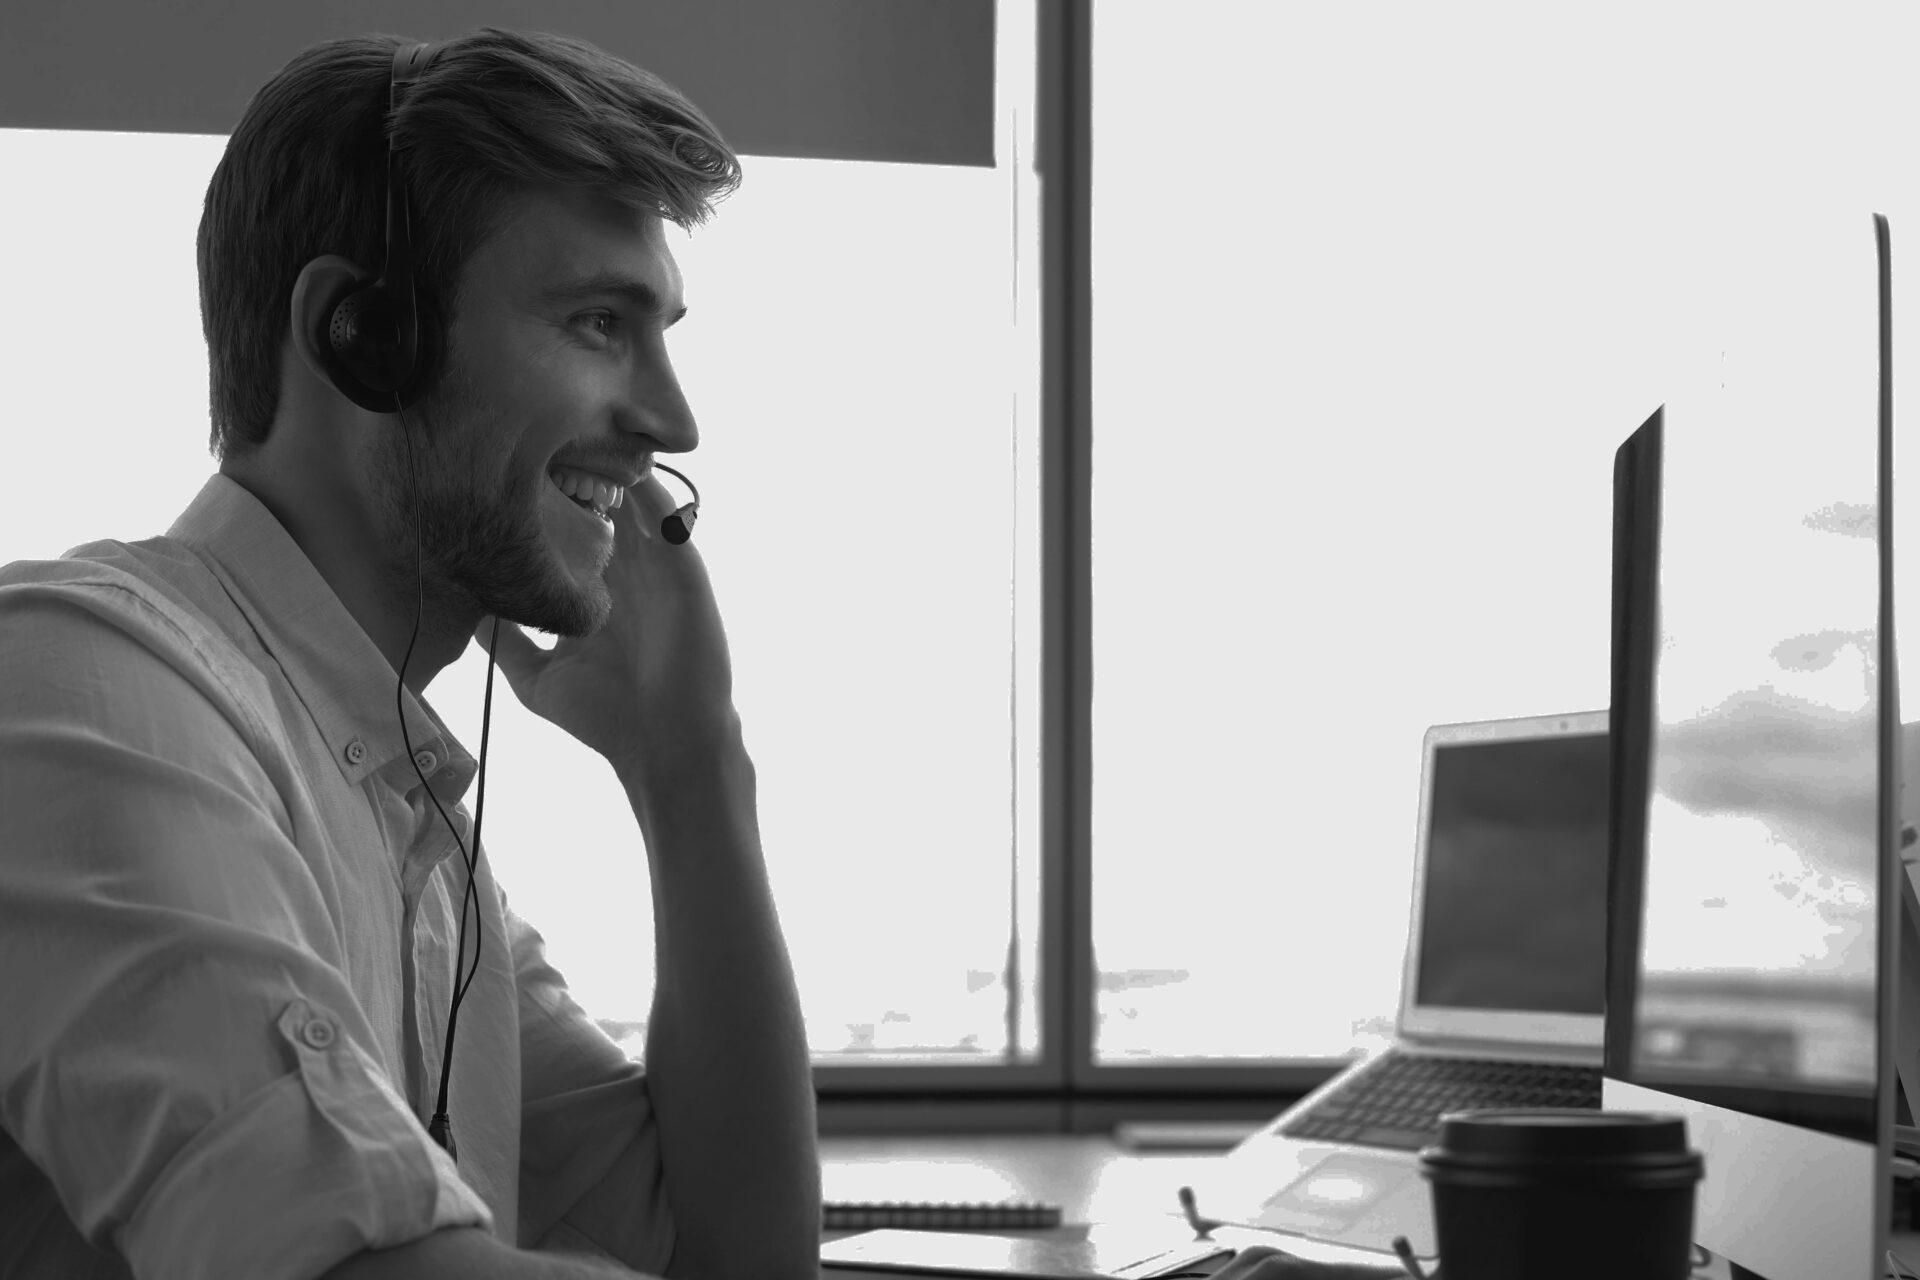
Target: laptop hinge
<point x="1455" y="1046"/>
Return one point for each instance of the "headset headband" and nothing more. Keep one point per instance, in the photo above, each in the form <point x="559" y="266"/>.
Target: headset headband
<point x="408" y="63"/>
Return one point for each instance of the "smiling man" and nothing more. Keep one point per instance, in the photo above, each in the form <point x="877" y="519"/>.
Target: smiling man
<point x="239" y="878"/>
<point x="559" y="394"/>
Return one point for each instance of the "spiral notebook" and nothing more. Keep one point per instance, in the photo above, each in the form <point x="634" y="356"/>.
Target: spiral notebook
<point x="1004" y="1216"/>
<point x="1104" y="1253"/>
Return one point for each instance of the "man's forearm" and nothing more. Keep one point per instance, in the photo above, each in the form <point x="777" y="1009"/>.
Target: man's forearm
<point x="469" y="1253"/>
<point x="727" y="1061"/>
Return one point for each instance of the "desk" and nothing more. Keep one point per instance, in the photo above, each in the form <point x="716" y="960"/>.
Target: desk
<point x="1090" y="1178"/>
<point x="1087" y="1175"/>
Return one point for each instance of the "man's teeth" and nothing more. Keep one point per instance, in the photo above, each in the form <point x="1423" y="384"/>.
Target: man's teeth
<point x="603" y="495"/>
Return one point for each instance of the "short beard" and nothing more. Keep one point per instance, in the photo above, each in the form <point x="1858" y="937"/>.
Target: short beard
<point x="482" y="551"/>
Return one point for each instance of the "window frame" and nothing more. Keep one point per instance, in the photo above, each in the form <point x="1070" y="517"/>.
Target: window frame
<point x="1065" y="1089"/>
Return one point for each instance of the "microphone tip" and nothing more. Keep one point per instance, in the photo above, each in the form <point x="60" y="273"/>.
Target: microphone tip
<point x="678" y="527"/>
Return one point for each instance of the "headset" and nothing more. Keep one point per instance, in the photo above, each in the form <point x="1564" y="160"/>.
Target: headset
<point x="377" y="355"/>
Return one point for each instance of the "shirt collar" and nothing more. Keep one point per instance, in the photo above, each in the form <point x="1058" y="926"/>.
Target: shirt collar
<point x="334" y="667"/>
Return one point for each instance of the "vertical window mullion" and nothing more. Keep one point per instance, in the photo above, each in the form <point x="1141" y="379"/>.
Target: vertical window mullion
<point x="1066" y="380"/>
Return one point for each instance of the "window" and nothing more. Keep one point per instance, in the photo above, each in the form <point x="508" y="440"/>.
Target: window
<point x="100" y="338"/>
<point x="1374" y="302"/>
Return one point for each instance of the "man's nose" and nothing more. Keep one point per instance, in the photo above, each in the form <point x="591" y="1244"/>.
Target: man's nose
<point x="660" y="411"/>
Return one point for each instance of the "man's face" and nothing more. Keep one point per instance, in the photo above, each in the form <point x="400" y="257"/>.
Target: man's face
<point x="536" y="375"/>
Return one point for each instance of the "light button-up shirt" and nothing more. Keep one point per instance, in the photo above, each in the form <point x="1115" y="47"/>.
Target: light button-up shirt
<point x="228" y="916"/>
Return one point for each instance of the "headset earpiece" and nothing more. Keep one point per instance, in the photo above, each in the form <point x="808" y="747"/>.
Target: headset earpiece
<point x="372" y="350"/>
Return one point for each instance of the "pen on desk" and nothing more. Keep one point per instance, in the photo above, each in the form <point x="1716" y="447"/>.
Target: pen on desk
<point x="1407" y="1260"/>
<point x="1202" y="1227"/>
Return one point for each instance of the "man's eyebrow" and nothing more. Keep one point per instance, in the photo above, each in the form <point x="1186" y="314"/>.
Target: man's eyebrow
<point x="601" y="284"/>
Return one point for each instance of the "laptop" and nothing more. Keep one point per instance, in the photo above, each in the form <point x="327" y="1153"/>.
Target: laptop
<point x="1502" y="995"/>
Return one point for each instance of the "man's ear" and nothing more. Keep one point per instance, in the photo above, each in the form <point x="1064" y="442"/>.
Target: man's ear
<point x="318" y="289"/>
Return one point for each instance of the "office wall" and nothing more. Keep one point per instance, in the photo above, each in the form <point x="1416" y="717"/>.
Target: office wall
<point x="818" y="79"/>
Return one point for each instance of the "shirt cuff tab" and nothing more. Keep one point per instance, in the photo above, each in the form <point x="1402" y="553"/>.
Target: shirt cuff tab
<point x="319" y="1164"/>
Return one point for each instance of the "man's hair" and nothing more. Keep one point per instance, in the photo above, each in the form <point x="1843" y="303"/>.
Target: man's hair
<point x="496" y="113"/>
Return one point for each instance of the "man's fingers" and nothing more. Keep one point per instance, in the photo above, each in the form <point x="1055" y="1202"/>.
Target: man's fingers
<point x="1262" y="1262"/>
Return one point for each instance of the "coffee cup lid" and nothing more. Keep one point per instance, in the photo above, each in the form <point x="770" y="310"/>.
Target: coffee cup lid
<point x="1562" y="1133"/>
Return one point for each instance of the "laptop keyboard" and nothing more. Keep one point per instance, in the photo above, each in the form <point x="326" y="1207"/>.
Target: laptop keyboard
<point x="1398" y="1101"/>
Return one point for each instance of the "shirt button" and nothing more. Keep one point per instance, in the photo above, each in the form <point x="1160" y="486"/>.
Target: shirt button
<point x="318" y="1033"/>
<point x="356" y="751"/>
<point x="425" y="760"/>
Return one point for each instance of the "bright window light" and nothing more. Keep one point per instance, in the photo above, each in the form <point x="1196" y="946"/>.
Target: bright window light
<point x="1376" y="295"/>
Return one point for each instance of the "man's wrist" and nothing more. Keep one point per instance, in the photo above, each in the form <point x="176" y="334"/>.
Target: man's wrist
<point x="699" y="767"/>
<point x="694" y="738"/>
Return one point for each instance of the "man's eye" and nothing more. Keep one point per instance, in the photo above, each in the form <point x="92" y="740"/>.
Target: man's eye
<point x="607" y="317"/>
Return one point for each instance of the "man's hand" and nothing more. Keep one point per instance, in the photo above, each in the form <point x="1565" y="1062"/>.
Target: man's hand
<point x="658" y="673"/>
<point x="1261" y="1262"/>
<point x="728" y="1068"/>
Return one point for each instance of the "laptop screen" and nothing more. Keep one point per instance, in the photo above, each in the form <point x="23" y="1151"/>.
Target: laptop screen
<point x="1516" y="876"/>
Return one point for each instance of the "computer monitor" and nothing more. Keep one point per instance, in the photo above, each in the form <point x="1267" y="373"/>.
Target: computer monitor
<point x="1752" y="896"/>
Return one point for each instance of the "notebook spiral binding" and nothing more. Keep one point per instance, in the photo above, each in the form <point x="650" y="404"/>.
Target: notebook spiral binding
<point x="843" y="1216"/>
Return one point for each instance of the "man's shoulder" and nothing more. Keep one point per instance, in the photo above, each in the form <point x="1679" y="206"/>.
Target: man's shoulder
<point x="158" y="572"/>
<point x="103" y="584"/>
<point x="152" y="599"/>
<point x="137" y="566"/>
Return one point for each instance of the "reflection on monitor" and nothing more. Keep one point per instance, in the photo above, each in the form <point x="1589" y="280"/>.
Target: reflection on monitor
<point x="1758" y="945"/>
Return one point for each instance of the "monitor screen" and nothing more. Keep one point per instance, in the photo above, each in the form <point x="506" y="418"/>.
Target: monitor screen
<point x="1516" y="876"/>
<point x="1753" y="725"/>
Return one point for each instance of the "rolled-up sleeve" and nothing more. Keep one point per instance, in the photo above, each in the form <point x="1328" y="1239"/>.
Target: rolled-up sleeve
<point x="590" y="1171"/>
<point x="184" y="1059"/>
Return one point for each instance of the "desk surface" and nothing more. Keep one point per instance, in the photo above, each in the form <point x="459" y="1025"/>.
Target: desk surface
<point x="1087" y="1175"/>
